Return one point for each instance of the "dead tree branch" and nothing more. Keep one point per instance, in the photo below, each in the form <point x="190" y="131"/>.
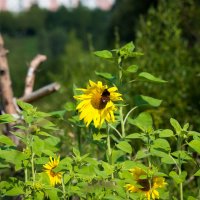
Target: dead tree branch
<point x="44" y="91"/>
<point x="30" y="78"/>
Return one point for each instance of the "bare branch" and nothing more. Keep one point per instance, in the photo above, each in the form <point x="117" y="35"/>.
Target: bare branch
<point x="5" y="81"/>
<point x="30" y="77"/>
<point x="40" y="92"/>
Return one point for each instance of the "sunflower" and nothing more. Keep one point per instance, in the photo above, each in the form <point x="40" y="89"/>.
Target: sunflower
<point x="147" y="187"/>
<point x="96" y="103"/>
<point x="55" y="177"/>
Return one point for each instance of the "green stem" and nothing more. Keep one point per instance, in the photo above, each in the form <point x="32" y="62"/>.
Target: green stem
<point x="179" y="167"/>
<point x="108" y="144"/>
<point x="115" y="130"/>
<point x="127" y="115"/>
<point x="63" y="188"/>
<point x="122" y="122"/>
<point x="32" y="166"/>
<point x="26" y="174"/>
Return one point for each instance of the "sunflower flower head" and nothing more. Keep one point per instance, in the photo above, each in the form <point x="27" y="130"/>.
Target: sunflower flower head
<point x="144" y="185"/>
<point x="54" y="177"/>
<point x="97" y="103"/>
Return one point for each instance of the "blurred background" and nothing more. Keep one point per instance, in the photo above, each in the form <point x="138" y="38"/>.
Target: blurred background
<point x="68" y="31"/>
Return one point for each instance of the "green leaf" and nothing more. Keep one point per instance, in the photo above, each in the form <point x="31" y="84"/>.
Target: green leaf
<point x="161" y="144"/>
<point x="141" y="154"/>
<point x="197" y="173"/>
<point x="15" y="191"/>
<point x="6" y="140"/>
<point x="181" y="155"/>
<point x="143" y="121"/>
<point x="124" y="146"/>
<point x="103" y="54"/>
<point x="178" y="178"/>
<point x="46" y="124"/>
<point x="167" y="159"/>
<point x="98" y="136"/>
<point x="58" y="114"/>
<point x="70" y="106"/>
<point x="116" y="154"/>
<point x="132" y="69"/>
<point x="191" y="198"/>
<point x="38" y="145"/>
<point x="24" y="106"/>
<point x="141" y="100"/>
<point x="129" y="47"/>
<point x="176" y="125"/>
<point x="166" y="133"/>
<point x="135" y="136"/>
<point x="195" y="144"/>
<point x="106" y="76"/>
<point x="6" y="118"/>
<point x="150" y="77"/>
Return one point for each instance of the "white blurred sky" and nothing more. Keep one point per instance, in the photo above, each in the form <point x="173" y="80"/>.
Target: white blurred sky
<point x="16" y="5"/>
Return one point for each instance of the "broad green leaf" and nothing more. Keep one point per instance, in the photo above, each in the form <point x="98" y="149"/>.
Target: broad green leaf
<point x="116" y="154"/>
<point x="132" y="69"/>
<point x="135" y="136"/>
<point x="124" y="146"/>
<point x="194" y="134"/>
<point x="52" y="194"/>
<point x="129" y="47"/>
<point x="6" y="118"/>
<point x="181" y="155"/>
<point x="150" y="77"/>
<point x="161" y="144"/>
<point x="24" y="106"/>
<point x="105" y="75"/>
<point x="166" y="133"/>
<point x="46" y="124"/>
<point x="176" y="125"/>
<point x="197" y="173"/>
<point x="168" y="159"/>
<point x="15" y="191"/>
<point x="58" y="114"/>
<point x="6" y="140"/>
<point x="158" y="152"/>
<point x="195" y="144"/>
<point x="178" y="178"/>
<point x="141" y="100"/>
<point x="141" y="154"/>
<point x="143" y="121"/>
<point x="38" y="145"/>
<point x="103" y="54"/>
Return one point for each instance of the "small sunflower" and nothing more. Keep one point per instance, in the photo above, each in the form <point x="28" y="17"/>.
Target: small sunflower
<point x="55" y="177"/>
<point x="147" y="187"/>
<point x="97" y="103"/>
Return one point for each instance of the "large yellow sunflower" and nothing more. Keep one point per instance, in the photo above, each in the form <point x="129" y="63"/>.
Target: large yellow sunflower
<point x="96" y="103"/>
<point x="55" y="177"/>
<point x="145" y="186"/>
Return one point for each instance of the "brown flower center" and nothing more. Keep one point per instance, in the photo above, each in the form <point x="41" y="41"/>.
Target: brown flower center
<point x="145" y="184"/>
<point x="99" y="102"/>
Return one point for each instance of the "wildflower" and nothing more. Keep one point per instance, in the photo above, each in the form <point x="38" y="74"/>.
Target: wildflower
<point x="147" y="187"/>
<point x="55" y="177"/>
<point x="97" y="103"/>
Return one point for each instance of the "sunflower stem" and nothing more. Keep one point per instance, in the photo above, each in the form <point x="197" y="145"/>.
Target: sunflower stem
<point x="127" y="115"/>
<point x="179" y="166"/>
<point x="32" y="166"/>
<point x="120" y="135"/>
<point x="122" y="122"/>
<point x="63" y="188"/>
<point x="108" y="144"/>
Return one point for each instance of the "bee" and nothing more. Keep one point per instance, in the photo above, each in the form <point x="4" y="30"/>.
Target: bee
<point x="105" y="97"/>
